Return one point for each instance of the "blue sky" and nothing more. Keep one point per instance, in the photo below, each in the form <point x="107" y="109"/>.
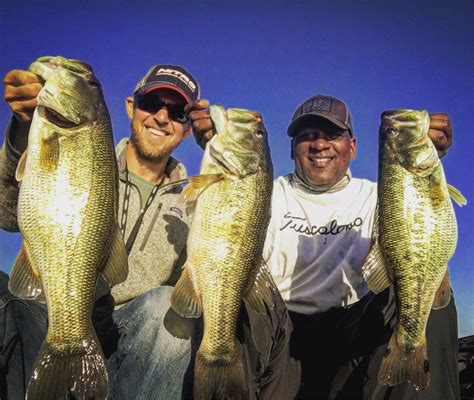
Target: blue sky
<point x="270" y="56"/>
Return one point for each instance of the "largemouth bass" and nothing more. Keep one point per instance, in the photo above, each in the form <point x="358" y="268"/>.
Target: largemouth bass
<point x="416" y="234"/>
<point x="225" y="247"/>
<point x="67" y="211"/>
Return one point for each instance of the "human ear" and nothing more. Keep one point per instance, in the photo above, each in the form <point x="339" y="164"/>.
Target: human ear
<point x="353" y="148"/>
<point x="129" y="104"/>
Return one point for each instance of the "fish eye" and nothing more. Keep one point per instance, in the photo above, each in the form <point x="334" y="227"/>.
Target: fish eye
<point x="392" y="131"/>
<point x="94" y="84"/>
<point x="261" y="131"/>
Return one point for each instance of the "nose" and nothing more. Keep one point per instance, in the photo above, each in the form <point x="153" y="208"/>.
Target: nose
<point x="161" y="116"/>
<point x="319" y="143"/>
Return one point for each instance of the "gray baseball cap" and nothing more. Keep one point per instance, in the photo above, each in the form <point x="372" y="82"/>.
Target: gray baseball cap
<point x="320" y="105"/>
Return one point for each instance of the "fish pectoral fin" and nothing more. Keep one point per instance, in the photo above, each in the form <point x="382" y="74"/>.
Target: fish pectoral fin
<point x="49" y="153"/>
<point x="374" y="270"/>
<point x="116" y="268"/>
<point x="25" y="281"/>
<point x="436" y="188"/>
<point x="259" y="295"/>
<point x="443" y="294"/>
<point x="20" y="169"/>
<point x="185" y="301"/>
<point x="198" y="184"/>
<point x="457" y="196"/>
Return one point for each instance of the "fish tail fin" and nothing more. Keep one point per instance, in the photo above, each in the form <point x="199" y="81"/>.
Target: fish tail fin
<point x="217" y="379"/>
<point x="76" y="370"/>
<point x="399" y="366"/>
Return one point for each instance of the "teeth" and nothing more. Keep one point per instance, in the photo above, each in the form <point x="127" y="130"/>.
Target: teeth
<point x="157" y="132"/>
<point x="320" y="161"/>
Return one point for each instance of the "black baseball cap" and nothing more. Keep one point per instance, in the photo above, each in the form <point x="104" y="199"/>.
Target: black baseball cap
<point x="166" y="76"/>
<point x="320" y="105"/>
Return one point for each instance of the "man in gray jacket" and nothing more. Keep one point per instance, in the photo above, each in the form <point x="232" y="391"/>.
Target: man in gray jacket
<point x="145" y="359"/>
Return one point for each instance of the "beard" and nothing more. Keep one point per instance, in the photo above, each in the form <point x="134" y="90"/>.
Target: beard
<point x="146" y="150"/>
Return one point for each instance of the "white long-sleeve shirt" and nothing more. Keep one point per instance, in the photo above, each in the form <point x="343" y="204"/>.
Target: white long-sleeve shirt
<point x="316" y="243"/>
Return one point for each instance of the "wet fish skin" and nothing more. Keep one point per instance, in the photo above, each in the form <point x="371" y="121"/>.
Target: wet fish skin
<point x="67" y="212"/>
<point x="417" y="234"/>
<point x="225" y="247"/>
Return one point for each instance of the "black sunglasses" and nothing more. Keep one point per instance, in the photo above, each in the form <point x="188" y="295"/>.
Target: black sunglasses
<point x="153" y="104"/>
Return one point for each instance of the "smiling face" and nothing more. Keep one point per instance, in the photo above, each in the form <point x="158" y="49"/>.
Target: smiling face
<point x="155" y="133"/>
<point x="322" y="152"/>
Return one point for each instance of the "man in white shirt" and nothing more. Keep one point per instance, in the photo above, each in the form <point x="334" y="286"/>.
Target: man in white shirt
<point x="319" y="235"/>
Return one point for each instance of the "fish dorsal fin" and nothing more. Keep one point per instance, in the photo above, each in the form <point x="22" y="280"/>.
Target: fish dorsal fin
<point x="20" y="169"/>
<point x="457" y="196"/>
<point x="374" y="270"/>
<point x="259" y="295"/>
<point x="185" y="301"/>
<point x="25" y="281"/>
<point x="443" y="294"/>
<point x="198" y="184"/>
<point x="116" y="268"/>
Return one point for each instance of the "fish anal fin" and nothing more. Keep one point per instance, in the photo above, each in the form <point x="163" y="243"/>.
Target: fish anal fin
<point x="260" y="291"/>
<point x="20" y="169"/>
<point x="49" y="153"/>
<point x="374" y="270"/>
<point x="457" y="196"/>
<point x="443" y="294"/>
<point x="185" y="301"/>
<point x="116" y="268"/>
<point x="25" y="281"/>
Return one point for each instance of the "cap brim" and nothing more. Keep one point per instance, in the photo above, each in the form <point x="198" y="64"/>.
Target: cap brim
<point x="306" y="117"/>
<point x="164" y="86"/>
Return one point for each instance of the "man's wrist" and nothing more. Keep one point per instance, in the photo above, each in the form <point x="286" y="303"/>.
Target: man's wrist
<point x="17" y="136"/>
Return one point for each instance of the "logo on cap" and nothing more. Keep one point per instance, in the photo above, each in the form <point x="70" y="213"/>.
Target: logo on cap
<point x="170" y="77"/>
<point x="318" y="104"/>
<point x="173" y="72"/>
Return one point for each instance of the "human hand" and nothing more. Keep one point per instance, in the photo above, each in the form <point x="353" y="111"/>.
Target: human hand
<point x="203" y="128"/>
<point x="20" y="91"/>
<point x="441" y="132"/>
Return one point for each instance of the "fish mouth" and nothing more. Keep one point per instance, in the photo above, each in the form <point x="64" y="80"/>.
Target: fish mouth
<point x="397" y="113"/>
<point x="57" y="119"/>
<point x="405" y="118"/>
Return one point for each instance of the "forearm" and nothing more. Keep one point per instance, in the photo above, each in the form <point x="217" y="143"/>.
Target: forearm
<point x="9" y="187"/>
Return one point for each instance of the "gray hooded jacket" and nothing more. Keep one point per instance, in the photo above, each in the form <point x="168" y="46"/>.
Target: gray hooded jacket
<point x="158" y="251"/>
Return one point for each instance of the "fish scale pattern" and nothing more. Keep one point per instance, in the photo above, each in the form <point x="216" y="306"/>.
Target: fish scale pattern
<point x="225" y="250"/>
<point x="67" y="212"/>
<point x="417" y="235"/>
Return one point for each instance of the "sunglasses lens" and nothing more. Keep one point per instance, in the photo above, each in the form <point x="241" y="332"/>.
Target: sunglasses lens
<point x="177" y="113"/>
<point x="148" y="104"/>
<point x="152" y="105"/>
